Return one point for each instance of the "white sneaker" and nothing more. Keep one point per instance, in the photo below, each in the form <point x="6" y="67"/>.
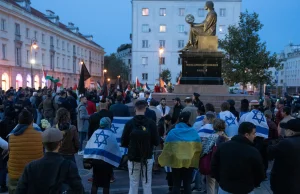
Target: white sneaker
<point x="80" y="153"/>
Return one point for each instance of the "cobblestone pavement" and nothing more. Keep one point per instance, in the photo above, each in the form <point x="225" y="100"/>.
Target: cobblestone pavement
<point x="159" y="183"/>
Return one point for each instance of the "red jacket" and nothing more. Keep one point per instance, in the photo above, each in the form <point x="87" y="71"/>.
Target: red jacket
<point x="91" y="107"/>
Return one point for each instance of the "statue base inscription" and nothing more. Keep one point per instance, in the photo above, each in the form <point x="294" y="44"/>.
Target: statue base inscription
<point x="201" y="67"/>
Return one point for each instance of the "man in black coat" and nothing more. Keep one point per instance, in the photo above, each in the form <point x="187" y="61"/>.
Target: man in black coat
<point x="58" y="170"/>
<point x="72" y="101"/>
<point x="237" y="165"/>
<point x="285" y="174"/>
<point x="96" y="117"/>
<point x="119" y="109"/>
<point x="176" y="110"/>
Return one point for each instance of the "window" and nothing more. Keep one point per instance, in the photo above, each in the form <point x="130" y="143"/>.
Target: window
<point x="129" y="61"/>
<point x="3" y="25"/>
<point x="162" y="44"/>
<point x="180" y="43"/>
<point x="43" y="59"/>
<point x="63" y="45"/>
<point x="68" y="47"/>
<point x="181" y="11"/>
<point x="145" y="76"/>
<point x="179" y="61"/>
<point x="162" y="60"/>
<point x="3" y="51"/>
<point x="43" y="38"/>
<point x="63" y="63"/>
<point x="18" y="56"/>
<point x="222" y="29"/>
<point x="51" y="41"/>
<point x="35" y="34"/>
<point x="222" y="12"/>
<point x="57" y="43"/>
<point x="145" y="12"/>
<point x="57" y="62"/>
<point x="145" y="44"/>
<point x="51" y="61"/>
<point x="17" y="30"/>
<point x="162" y="12"/>
<point x="181" y="28"/>
<point x="27" y="56"/>
<point x="162" y="28"/>
<point x="68" y="65"/>
<point x="144" y="60"/>
<point x="145" y="28"/>
<point x="201" y="12"/>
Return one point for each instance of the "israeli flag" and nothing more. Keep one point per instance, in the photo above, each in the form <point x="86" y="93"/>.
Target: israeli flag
<point x="259" y="120"/>
<point x="232" y="125"/>
<point x="199" y="122"/>
<point x="206" y="131"/>
<point x="103" y="146"/>
<point x="117" y="127"/>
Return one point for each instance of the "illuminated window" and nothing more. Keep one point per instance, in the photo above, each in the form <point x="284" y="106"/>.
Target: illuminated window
<point x="145" y="11"/>
<point x="162" y="28"/>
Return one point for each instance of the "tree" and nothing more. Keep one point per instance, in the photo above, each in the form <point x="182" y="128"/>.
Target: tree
<point x="166" y="75"/>
<point x="115" y="67"/>
<point x="246" y="57"/>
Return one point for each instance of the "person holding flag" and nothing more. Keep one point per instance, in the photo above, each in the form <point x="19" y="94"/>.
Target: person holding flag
<point x="262" y="130"/>
<point x="232" y="125"/>
<point x="105" y="153"/>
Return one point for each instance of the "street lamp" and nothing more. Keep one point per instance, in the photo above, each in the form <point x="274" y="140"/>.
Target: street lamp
<point x="108" y="79"/>
<point x="81" y="62"/>
<point x="161" y="51"/>
<point x="104" y="71"/>
<point x="33" y="46"/>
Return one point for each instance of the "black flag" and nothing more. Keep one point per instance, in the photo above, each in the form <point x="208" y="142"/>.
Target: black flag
<point x="84" y="75"/>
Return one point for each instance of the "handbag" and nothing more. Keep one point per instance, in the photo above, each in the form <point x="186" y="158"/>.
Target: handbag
<point x="205" y="162"/>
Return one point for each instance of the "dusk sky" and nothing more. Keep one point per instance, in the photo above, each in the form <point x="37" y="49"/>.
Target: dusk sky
<point x="109" y="21"/>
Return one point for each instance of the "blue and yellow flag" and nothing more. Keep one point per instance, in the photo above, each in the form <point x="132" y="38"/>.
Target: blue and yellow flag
<point x="182" y="148"/>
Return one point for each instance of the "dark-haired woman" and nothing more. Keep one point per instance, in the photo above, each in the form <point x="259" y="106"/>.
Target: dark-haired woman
<point x="70" y="142"/>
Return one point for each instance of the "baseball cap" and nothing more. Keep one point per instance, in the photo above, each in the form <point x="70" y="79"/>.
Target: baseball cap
<point x="184" y="116"/>
<point x="177" y="99"/>
<point x="293" y="124"/>
<point x="52" y="135"/>
<point x="254" y="103"/>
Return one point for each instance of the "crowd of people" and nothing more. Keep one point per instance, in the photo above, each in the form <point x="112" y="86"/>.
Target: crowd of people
<point x="224" y="152"/>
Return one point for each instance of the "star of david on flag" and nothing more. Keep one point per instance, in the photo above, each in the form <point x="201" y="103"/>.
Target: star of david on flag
<point x="114" y="128"/>
<point x="230" y="120"/>
<point x="104" y="141"/>
<point x="258" y="114"/>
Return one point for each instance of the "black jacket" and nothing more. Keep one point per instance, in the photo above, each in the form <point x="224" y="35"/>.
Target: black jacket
<point x="73" y="105"/>
<point x="119" y="110"/>
<point x="95" y="120"/>
<point x="176" y="112"/>
<point x="64" y="103"/>
<point x="150" y="114"/>
<point x="9" y="110"/>
<point x="237" y="166"/>
<point x="285" y="174"/>
<point x="140" y="120"/>
<point x="40" y="175"/>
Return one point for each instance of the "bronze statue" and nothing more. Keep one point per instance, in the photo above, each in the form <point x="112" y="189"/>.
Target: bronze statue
<point x="206" y="28"/>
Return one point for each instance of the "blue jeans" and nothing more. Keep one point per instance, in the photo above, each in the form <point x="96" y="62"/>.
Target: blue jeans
<point x="221" y="191"/>
<point x="82" y="138"/>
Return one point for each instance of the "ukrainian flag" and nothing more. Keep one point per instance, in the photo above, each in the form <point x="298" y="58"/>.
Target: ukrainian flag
<point x="182" y="148"/>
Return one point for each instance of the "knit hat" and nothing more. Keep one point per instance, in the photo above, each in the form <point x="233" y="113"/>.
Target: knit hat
<point x="105" y="122"/>
<point x="51" y="135"/>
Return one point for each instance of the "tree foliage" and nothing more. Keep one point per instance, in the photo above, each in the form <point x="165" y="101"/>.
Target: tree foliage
<point x="115" y="67"/>
<point x="166" y="75"/>
<point x="246" y="57"/>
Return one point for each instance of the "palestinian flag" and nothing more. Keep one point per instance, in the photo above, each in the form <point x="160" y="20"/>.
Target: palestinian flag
<point x="138" y="84"/>
<point x="84" y="75"/>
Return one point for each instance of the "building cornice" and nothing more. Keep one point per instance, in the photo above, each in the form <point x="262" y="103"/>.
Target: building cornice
<point x="47" y="25"/>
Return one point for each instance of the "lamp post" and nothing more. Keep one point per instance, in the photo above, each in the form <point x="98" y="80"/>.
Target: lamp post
<point x="161" y="51"/>
<point x="33" y="46"/>
<point x="104" y="71"/>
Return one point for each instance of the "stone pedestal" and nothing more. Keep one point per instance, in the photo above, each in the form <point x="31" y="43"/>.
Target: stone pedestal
<point x="202" y="66"/>
<point x="202" y="89"/>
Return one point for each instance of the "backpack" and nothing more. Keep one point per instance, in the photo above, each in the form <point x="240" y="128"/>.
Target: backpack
<point x="139" y="146"/>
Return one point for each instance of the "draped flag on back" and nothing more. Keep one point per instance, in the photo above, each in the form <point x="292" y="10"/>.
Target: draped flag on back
<point x="103" y="146"/>
<point x="117" y="128"/>
<point x="206" y="130"/>
<point x="231" y="123"/>
<point x="259" y="120"/>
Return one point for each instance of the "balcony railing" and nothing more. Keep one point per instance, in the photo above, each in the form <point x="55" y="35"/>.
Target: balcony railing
<point x="52" y="47"/>
<point x="18" y="37"/>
